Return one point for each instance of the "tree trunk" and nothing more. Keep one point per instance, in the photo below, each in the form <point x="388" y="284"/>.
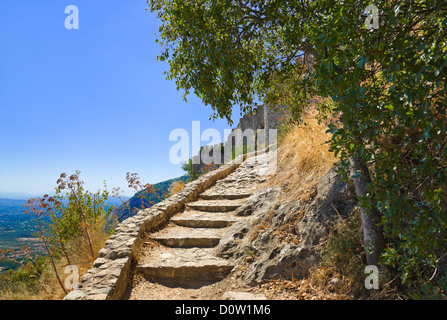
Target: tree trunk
<point x="372" y="229"/>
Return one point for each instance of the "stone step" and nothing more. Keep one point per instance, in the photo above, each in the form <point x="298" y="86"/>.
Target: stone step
<point x="182" y="237"/>
<point x="200" y="219"/>
<point x="215" y="205"/>
<point x="194" y="263"/>
<point x="224" y="196"/>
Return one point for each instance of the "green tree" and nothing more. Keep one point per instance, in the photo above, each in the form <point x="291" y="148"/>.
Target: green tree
<point x="387" y="86"/>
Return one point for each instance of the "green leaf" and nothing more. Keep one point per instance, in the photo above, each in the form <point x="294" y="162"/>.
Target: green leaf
<point x="389" y="107"/>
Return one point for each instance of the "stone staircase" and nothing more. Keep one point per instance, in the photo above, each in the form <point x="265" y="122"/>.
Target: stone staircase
<point x="183" y="252"/>
<point x="175" y="240"/>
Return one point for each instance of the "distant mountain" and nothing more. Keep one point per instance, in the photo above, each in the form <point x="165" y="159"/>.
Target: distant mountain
<point x="114" y="201"/>
<point x="135" y="203"/>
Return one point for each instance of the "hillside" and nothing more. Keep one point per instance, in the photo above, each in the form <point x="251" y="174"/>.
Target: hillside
<point x="18" y="229"/>
<point x="139" y="201"/>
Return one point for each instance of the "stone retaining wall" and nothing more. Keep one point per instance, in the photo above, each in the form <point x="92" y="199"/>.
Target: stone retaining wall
<point x="110" y="275"/>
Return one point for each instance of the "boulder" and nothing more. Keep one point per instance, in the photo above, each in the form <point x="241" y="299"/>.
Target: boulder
<point x="75" y="295"/>
<point x="234" y="240"/>
<point x="335" y="199"/>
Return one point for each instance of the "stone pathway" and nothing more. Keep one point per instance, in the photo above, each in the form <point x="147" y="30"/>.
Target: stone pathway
<point x="179" y="261"/>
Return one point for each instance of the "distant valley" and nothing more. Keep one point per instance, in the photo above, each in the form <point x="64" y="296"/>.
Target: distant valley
<point x="18" y="229"/>
<point x="14" y="223"/>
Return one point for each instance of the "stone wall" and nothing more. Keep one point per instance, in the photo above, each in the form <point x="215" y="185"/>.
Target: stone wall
<point x="262" y="119"/>
<point x="110" y="275"/>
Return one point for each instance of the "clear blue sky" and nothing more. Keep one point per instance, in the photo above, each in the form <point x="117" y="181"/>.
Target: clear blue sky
<point x="92" y="99"/>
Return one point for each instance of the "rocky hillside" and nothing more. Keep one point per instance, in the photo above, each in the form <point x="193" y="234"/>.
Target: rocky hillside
<point x="282" y="239"/>
<point x="284" y="229"/>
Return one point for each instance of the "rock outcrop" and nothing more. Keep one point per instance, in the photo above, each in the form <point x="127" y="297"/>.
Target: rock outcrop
<point x="260" y="238"/>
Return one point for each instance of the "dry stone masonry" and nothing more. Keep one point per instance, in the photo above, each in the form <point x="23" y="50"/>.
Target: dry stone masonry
<point x="177" y="238"/>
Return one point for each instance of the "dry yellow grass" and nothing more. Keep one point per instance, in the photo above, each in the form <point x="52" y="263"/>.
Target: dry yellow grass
<point x="79" y="253"/>
<point x="322" y="284"/>
<point x="303" y="157"/>
<point x="176" y="186"/>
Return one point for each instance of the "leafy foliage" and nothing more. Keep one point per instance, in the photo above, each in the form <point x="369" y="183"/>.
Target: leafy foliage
<point x="389" y="87"/>
<point x="343" y="250"/>
<point x="24" y="280"/>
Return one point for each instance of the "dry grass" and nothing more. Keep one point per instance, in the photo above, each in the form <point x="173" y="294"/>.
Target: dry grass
<point x="176" y="186"/>
<point x="340" y="274"/>
<point x="79" y="253"/>
<point x="303" y="157"/>
<point x="322" y="284"/>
